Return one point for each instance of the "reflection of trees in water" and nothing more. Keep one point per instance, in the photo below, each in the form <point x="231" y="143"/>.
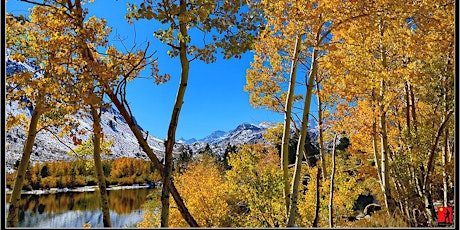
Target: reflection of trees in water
<point x="127" y="200"/>
<point x="121" y="201"/>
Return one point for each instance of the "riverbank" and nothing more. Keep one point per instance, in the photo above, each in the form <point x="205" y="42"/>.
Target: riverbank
<point x="81" y="189"/>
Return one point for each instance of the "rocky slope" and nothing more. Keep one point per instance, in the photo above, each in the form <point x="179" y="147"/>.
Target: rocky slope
<point x="244" y="133"/>
<point x="50" y="148"/>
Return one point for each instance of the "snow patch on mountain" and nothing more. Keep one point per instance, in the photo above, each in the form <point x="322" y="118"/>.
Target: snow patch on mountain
<point x="48" y="147"/>
<point x="186" y="141"/>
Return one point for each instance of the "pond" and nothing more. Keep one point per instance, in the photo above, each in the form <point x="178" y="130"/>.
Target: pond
<point x="73" y="209"/>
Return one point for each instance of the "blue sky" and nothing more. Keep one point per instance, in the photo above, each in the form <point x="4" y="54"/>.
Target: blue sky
<point x="215" y="98"/>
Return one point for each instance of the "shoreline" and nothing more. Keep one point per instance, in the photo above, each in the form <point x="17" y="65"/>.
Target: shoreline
<point x="91" y="188"/>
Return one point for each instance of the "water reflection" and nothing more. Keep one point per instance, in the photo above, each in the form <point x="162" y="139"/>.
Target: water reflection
<point x="73" y="209"/>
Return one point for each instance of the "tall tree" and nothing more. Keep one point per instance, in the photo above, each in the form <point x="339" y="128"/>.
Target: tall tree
<point x="288" y="21"/>
<point x="77" y="32"/>
<point x="287" y="121"/>
<point x="97" y="33"/>
<point x="223" y="17"/>
<point x="44" y="90"/>
<point x="320" y="127"/>
<point x="396" y="76"/>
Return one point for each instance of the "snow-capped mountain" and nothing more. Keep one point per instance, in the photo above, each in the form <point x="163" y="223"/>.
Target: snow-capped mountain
<point x="48" y="147"/>
<point x="213" y="136"/>
<point x="186" y="141"/>
<point x="208" y="139"/>
<point x="244" y="133"/>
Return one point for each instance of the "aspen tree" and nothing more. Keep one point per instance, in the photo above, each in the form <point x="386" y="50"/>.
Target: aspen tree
<point x="383" y="81"/>
<point x="107" y="72"/>
<point x="34" y="41"/>
<point x="234" y="34"/>
<point x="285" y="20"/>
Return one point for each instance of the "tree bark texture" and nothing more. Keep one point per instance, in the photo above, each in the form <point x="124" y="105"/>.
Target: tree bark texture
<point x="97" y="133"/>
<point x="156" y="162"/>
<point x="13" y="211"/>
<point x="287" y="123"/>
<point x="321" y="136"/>
<point x="331" y="191"/>
<point x="301" y="142"/>
<point x="171" y="139"/>
<point x="444" y="169"/>
<point x="385" y="151"/>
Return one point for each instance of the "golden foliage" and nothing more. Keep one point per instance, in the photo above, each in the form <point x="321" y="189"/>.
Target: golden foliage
<point x="204" y="192"/>
<point x="255" y="184"/>
<point x="274" y="134"/>
<point x="122" y="171"/>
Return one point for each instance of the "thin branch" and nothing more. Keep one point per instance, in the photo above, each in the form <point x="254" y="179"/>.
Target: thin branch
<point x="135" y="36"/>
<point x="297" y="130"/>
<point x="135" y="67"/>
<point x="60" y="141"/>
<point x="48" y="5"/>
<point x="120" y="40"/>
<point x="37" y="3"/>
<point x="196" y="56"/>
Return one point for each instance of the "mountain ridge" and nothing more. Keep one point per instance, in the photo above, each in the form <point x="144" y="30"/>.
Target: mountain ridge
<point x="48" y="148"/>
